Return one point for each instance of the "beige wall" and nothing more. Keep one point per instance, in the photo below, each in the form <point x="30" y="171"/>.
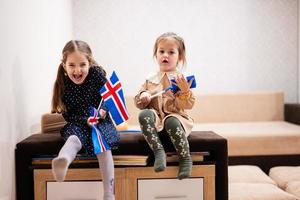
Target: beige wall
<point x="232" y="45"/>
<point x="32" y="36"/>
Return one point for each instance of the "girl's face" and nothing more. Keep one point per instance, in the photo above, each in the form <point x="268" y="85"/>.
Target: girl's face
<point x="77" y="67"/>
<point x="167" y="55"/>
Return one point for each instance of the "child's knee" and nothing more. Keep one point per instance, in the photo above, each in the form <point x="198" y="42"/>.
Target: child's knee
<point x="172" y="123"/>
<point x="146" y="116"/>
<point x="74" y="139"/>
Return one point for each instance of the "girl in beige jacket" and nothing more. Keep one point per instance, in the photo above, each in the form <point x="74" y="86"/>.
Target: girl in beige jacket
<point x="167" y="110"/>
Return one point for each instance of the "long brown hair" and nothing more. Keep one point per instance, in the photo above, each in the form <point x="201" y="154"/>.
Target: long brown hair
<point x="59" y="85"/>
<point x="178" y="40"/>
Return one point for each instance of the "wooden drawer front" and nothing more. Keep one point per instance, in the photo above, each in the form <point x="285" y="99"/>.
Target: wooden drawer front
<point x="170" y="189"/>
<point x="75" y="190"/>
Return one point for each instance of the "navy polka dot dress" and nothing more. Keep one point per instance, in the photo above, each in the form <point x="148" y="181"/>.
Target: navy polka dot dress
<point x="78" y="99"/>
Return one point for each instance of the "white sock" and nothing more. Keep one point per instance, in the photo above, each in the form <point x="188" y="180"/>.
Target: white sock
<point x="106" y="164"/>
<point x="66" y="155"/>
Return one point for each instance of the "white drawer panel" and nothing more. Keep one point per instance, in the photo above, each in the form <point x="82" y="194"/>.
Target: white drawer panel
<point x="170" y="189"/>
<point x="75" y="190"/>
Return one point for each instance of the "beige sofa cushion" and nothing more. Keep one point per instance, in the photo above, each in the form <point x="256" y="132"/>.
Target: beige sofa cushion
<point x="133" y="111"/>
<point x="251" y="183"/>
<point x="285" y="174"/>
<point x="238" y="107"/>
<point x="257" y="138"/>
<point x="247" y="174"/>
<point x="257" y="191"/>
<point x="293" y="187"/>
<point x="52" y="123"/>
<point x="229" y="107"/>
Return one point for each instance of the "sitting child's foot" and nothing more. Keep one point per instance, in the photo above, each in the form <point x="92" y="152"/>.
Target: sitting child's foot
<point x="185" y="167"/>
<point x="59" y="168"/>
<point x="160" y="160"/>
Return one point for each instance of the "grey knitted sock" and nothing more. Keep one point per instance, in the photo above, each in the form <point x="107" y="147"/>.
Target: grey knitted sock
<point x="147" y="123"/>
<point x="185" y="167"/>
<point x="66" y="155"/>
<point x="181" y="144"/>
<point x="160" y="160"/>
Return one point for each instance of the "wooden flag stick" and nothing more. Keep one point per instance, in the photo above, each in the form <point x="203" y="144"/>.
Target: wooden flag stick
<point x="100" y="105"/>
<point x="157" y="94"/>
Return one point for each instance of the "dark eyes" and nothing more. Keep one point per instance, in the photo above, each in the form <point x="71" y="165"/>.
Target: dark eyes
<point x="81" y="65"/>
<point x="162" y="52"/>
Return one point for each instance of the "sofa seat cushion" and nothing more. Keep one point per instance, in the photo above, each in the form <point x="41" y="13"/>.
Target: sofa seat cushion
<point x="257" y="138"/>
<point x="248" y="174"/>
<point x="293" y="187"/>
<point x="285" y="174"/>
<point x="257" y="191"/>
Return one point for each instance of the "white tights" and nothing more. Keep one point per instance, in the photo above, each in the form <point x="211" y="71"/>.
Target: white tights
<point x="106" y="164"/>
<point x="68" y="153"/>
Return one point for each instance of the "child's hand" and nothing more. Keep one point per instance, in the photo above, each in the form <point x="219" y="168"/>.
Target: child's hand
<point x="183" y="85"/>
<point x="145" y="98"/>
<point x="92" y="120"/>
<point x="95" y="120"/>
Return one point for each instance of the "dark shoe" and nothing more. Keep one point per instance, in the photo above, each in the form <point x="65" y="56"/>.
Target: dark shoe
<point x="160" y="160"/>
<point x="185" y="167"/>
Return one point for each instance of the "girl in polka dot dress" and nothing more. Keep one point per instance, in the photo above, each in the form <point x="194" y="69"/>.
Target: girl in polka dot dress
<point x="76" y="88"/>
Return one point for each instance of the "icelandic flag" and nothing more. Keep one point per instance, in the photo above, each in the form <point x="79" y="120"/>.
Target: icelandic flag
<point x="175" y="88"/>
<point x="113" y="97"/>
<point x="99" y="142"/>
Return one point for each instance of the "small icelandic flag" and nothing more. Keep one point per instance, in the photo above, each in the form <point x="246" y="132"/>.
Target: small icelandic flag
<point x="175" y="88"/>
<point x="99" y="142"/>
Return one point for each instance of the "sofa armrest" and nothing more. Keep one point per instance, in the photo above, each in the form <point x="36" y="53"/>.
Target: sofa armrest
<point x="292" y="113"/>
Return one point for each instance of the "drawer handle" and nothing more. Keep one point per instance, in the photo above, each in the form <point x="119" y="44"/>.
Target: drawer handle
<point x="171" y="197"/>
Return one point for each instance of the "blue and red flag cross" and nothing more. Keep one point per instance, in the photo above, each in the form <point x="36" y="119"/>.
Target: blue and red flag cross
<point x="112" y="95"/>
<point x="99" y="143"/>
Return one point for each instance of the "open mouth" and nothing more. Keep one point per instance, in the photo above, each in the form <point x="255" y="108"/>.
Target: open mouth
<point x="165" y="61"/>
<point x="77" y="77"/>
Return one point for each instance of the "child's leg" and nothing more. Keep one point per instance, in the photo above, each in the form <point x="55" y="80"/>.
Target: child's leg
<point x="66" y="155"/>
<point x="106" y="164"/>
<point x="147" y="122"/>
<point x="181" y="144"/>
